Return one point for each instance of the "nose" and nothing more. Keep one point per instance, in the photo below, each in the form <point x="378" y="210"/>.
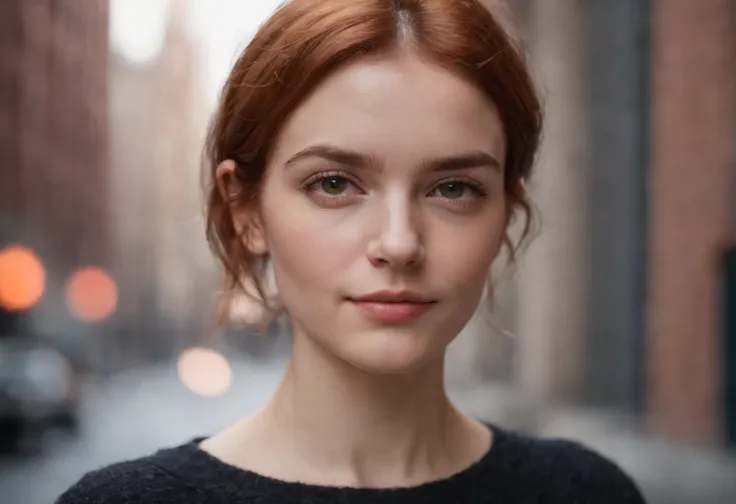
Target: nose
<point x="399" y="242"/>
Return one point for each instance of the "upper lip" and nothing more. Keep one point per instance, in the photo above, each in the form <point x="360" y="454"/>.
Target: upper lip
<point x="388" y="296"/>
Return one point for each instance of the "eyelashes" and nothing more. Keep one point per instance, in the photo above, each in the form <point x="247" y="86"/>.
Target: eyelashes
<point x="333" y="187"/>
<point x="337" y="188"/>
<point x="450" y="188"/>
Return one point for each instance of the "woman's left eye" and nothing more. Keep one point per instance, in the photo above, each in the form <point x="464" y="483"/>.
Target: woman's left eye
<point x="334" y="186"/>
<point x="455" y="190"/>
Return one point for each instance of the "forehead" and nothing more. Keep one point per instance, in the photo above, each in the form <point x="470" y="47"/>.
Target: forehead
<point x="395" y="106"/>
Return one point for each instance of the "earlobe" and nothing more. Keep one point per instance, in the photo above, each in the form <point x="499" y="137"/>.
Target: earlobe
<point x="254" y="236"/>
<point x="247" y="220"/>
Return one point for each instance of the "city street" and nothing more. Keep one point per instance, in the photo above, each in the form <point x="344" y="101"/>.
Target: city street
<point x="130" y="416"/>
<point x="136" y="413"/>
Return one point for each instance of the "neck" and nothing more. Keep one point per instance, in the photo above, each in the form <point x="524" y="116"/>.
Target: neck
<point x="364" y="429"/>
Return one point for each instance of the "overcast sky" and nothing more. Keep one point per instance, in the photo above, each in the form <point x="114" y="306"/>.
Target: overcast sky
<point x="223" y="27"/>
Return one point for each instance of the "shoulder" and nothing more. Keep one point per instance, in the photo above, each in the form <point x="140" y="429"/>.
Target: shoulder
<point x="572" y="472"/>
<point x="132" y="482"/>
<point x="585" y="472"/>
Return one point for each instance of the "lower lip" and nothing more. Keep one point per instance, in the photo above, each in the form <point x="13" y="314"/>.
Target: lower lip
<point x="392" y="312"/>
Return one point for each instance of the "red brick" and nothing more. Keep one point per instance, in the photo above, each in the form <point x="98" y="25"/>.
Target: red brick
<point x="690" y="189"/>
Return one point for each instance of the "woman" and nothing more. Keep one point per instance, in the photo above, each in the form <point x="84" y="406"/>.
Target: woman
<point x="372" y="155"/>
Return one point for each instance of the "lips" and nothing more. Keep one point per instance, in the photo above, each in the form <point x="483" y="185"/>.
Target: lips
<point x="393" y="297"/>
<point x="393" y="306"/>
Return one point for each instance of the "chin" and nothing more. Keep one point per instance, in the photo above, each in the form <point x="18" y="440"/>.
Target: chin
<point x="390" y="352"/>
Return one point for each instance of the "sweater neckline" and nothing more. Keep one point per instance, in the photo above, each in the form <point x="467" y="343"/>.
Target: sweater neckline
<point x="205" y="471"/>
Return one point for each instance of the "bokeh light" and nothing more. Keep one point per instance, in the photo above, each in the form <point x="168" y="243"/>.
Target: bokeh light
<point x="246" y="310"/>
<point x="91" y="294"/>
<point x="205" y="372"/>
<point x="22" y="278"/>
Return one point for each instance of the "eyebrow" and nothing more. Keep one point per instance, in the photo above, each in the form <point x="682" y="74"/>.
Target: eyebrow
<point x="358" y="160"/>
<point x="334" y="154"/>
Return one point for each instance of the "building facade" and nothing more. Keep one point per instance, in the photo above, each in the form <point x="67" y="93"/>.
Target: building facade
<point x="53" y="136"/>
<point x="619" y="303"/>
<point x="157" y="123"/>
<point x="690" y="206"/>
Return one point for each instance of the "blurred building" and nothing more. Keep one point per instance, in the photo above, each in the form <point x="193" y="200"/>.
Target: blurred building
<point x="690" y="213"/>
<point x="157" y="125"/>
<point x="185" y="265"/>
<point x="133" y="202"/>
<point x="619" y="303"/>
<point x="53" y="139"/>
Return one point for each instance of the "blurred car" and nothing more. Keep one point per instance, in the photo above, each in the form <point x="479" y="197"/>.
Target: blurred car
<point x="39" y="388"/>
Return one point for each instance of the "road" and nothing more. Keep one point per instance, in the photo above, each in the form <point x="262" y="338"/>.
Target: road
<point x="137" y="413"/>
<point x="133" y="415"/>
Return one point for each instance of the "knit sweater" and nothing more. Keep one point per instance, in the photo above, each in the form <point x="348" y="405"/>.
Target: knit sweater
<point x="516" y="470"/>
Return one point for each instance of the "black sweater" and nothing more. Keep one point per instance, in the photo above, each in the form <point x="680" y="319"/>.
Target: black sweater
<point x="517" y="470"/>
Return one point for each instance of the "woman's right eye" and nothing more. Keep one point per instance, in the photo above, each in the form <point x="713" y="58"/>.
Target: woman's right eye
<point x="331" y="187"/>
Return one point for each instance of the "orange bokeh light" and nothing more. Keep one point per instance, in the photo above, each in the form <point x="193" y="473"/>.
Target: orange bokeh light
<point x="205" y="372"/>
<point x="91" y="294"/>
<point x="22" y="278"/>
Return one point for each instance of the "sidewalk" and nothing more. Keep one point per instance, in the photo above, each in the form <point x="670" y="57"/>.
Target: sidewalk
<point x="668" y="473"/>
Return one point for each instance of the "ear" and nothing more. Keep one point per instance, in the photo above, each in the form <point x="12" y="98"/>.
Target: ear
<point x="247" y="220"/>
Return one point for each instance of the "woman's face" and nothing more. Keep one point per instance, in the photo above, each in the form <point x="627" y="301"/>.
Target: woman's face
<point x="383" y="208"/>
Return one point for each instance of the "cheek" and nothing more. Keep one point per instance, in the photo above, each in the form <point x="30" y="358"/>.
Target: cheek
<point x="308" y="247"/>
<point x="469" y="263"/>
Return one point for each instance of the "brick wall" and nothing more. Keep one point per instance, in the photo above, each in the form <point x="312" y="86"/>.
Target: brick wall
<point x="690" y="197"/>
<point x="53" y="116"/>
